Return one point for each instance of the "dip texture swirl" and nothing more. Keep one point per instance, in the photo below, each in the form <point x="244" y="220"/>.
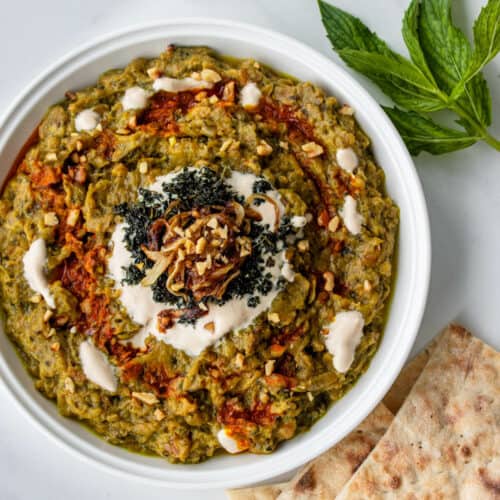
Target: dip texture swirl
<point x="196" y="255"/>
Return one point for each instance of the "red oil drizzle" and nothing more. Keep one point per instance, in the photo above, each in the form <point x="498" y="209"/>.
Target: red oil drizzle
<point x="31" y="141"/>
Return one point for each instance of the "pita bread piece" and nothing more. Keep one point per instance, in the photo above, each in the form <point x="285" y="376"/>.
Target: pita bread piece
<point x="396" y="396"/>
<point x="325" y="476"/>
<point x="266" y="492"/>
<point x="445" y="440"/>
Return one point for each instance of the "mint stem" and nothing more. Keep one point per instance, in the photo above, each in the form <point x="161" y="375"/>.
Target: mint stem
<point x="481" y="131"/>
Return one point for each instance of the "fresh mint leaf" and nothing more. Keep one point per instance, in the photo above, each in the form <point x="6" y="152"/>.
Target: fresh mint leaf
<point x="348" y="32"/>
<point x="401" y="80"/>
<point x="412" y="39"/>
<point x="444" y="72"/>
<point x="404" y="82"/>
<point x="449" y="55"/>
<point x="487" y="34"/>
<point x="486" y="42"/>
<point x="423" y="134"/>
<point x="446" y="48"/>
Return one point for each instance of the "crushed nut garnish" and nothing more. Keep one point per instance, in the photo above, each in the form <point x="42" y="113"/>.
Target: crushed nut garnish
<point x="69" y="385"/>
<point x="228" y="93"/>
<point x="154" y="73"/>
<point x="201" y="267"/>
<point x="329" y="281"/>
<point x="346" y="110"/>
<point x="213" y="223"/>
<point x="132" y="123"/>
<point x="367" y="286"/>
<point x="36" y="299"/>
<point x="333" y="224"/>
<point x="72" y="329"/>
<point x="310" y="397"/>
<point x="79" y="145"/>
<point x="211" y="76"/>
<point x="239" y="360"/>
<point x="55" y="347"/>
<point x="225" y="145"/>
<point x="312" y="149"/>
<point x="273" y="317"/>
<point x="159" y="414"/>
<point x="264" y="149"/>
<point x="269" y="367"/>
<point x="201" y="244"/>
<point x="50" y="219"/>
<point x="51" y="157"/>
<point x="73" y="215"/>
<point x="210" y="326"/>
<point x="200" y="96"/>
<point x="83" y="159"/>
<point x="143" y="167"/>
<point x="99" y="127"/>
<point x="213" y="99"/>
<point x="303" y="245"/>
<point x="47" y="315"/>
<point x="284" y="145"/>
<point x="146" y="397"/>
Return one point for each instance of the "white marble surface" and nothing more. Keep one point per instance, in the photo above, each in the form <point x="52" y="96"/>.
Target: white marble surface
<point x="462" y="191"/>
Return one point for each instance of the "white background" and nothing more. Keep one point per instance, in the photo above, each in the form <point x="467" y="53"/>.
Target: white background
<point x="462" y="192"/>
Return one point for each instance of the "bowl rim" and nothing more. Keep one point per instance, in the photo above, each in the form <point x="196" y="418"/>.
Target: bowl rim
<point x="87" y="452"/>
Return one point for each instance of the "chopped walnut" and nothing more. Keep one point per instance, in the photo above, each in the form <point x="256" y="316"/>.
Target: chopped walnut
<point x="69" y="385"/>
<point x="72" y="218"/>
<point x="264" y="149"/>
<point x="210" y="326"/>
<point x="145" y="397"/>
<point x="269" y="367"/>
<point x="346" y="110"/>
<point x="211" y="76"/>
<point x="143" y="167"/>
<point x="50" y="219"/>
<point x="159" y="414"/>
<point x="312" y="149"/>
<point x="333" y="224"/>
<point x="329" y="281"/>
<point x="273" y="317"/>
<point x="303" y="246"/>
<point x="154" y="73"/>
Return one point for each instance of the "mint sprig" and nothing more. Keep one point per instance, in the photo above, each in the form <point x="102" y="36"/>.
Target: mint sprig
<point x="444" y="72"/>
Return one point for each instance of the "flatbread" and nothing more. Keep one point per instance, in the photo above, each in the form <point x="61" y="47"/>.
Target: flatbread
<point x="266" y="492"/>
<point x="401" y="387"/>
<point x="445" y="440"/>
<point x="325" y="476"/>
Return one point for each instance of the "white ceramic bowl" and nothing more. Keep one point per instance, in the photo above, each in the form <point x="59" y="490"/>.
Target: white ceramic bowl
<point x="82" y="68"/>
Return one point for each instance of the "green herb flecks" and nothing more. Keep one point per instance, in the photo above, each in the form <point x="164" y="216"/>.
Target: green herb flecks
<point x="444" y="71"/>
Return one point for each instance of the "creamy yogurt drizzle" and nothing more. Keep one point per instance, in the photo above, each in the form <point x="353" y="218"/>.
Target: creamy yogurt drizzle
<point x="234" y="314"/>
<point x="347" y="159"/>
<point x="343" y="337"/>
<point x="96" y="366"/>
<point x="135" y="98"/>
<point x="349" y="213"/>
<point x="34" y="262"/>
<point x="180" y="84"/>
<point x="87" y="120"/>
<point x="250" y="95"/>
<point x="227" y="442"/>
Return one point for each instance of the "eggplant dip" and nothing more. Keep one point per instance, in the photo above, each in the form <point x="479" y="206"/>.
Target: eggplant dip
<point x="196" y="255"/>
